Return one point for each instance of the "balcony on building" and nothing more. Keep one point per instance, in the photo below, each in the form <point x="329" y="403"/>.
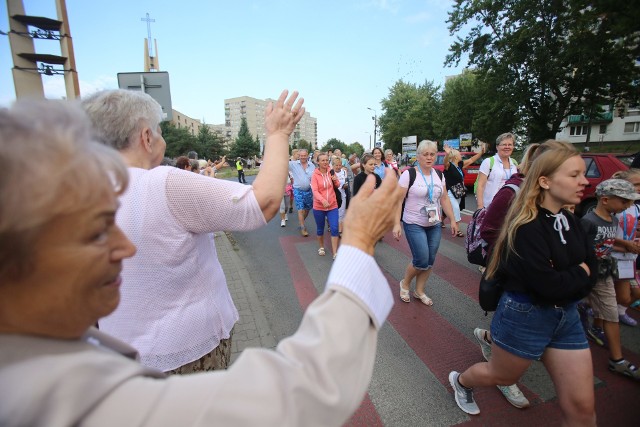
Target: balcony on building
<point x="606" y="117"/>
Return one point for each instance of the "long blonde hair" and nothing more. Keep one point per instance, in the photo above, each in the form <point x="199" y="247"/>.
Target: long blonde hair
<point x="524" y="208"/>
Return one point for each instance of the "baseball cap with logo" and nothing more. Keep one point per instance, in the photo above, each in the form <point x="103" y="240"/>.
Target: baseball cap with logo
<point x="617" y="187"/>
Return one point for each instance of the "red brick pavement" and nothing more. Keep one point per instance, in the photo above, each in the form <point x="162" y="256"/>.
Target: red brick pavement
<point x="443" y="348"/>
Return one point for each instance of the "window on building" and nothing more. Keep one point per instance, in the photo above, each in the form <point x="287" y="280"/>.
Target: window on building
<point x="578" y="130"/>
<point x="603" y="129"/>
<point x="632" y="127"/>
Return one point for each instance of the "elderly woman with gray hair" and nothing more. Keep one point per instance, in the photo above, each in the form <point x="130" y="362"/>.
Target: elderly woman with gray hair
<point x="176" y="308"/>
<point x="420" y="216"/>
<point x="495" y="171"/>
<point x="61" y="262"/>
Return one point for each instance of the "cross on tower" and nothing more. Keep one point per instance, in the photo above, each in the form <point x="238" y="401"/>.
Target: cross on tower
<point x="149" y="21"/>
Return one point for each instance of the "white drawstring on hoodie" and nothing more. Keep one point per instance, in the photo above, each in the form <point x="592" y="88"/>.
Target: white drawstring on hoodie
<point x="559" y="224"/>
<point x="327" y="183"/>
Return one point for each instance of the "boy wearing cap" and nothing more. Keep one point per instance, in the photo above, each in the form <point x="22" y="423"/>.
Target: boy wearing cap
<point x="601" y="224"/>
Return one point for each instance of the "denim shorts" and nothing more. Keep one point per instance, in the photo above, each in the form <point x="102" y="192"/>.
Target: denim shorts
<point x="526" y="330"/>
<point x="424" y="243"/>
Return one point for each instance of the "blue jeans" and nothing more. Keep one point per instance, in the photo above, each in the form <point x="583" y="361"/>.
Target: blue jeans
<point x="332" y="216"/>
<point x="526" y="330"/>
<point x="424" y="243"/>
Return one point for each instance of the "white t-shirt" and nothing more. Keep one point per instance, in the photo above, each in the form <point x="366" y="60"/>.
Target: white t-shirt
<point x="496" y="176"/>
<point x="415" y="208"/>
<point x="627" y="225"/>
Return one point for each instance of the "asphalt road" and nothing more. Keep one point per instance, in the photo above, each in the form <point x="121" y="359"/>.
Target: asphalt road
<point x="419" y="345"/>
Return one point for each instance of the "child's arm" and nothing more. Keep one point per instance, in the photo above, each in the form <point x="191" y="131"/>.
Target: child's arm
<point x="626" y="246"/>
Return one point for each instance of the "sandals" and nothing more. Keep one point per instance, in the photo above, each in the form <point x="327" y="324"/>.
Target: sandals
<point x="321" y="252"/>
<point x="625" y="368"/>
<point x="404" y="296"/>
<point x="303" y="231"/>
<point x="424" y="298"/>
<point x="404" y="293"/>
<point x="459" y="234"/>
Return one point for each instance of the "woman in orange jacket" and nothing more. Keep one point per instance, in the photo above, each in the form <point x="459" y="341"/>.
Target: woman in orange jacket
<point x="325" y="204"/>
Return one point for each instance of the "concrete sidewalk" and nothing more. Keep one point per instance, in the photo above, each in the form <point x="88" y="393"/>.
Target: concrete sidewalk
<point x="252" y="329"/>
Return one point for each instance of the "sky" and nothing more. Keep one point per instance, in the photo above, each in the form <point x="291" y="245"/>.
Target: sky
<point x="343" y="56"/>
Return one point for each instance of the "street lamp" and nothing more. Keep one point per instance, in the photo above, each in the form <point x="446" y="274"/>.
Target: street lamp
<point x="375" y="124"/>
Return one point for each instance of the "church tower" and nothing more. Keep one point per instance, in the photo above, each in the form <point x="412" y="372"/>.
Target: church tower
<point x="28" y="65"/>
<point x="150" y="50"/>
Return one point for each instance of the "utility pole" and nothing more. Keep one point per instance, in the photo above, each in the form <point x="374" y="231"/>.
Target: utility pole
<point x="375" y="125"/>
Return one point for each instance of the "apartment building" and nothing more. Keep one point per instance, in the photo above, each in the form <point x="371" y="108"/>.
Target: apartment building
<point x="252" y="110"/>
<point x="608" y="126"/>
<point x="181" y="120"/>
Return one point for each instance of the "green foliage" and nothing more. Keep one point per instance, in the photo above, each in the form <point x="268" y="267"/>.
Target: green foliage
<point x="334" y="143"/>
<point x="303" y="144"/>
<point x="552" y="58"/>
<point x="244" y="146"/>
<point x="179" y="140"/>
<point x="471" y="103"/>
<point x="211" y="145"/>
<point x="356" y="148"/>
<point x="409" y="110"/>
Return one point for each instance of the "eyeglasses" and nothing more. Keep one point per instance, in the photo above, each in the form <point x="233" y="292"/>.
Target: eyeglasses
<point x="506" y="146"/>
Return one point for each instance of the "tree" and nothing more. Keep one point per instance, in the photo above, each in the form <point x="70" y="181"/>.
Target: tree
<point x="552" y="58"/>
<point x="303" y="144"/>
<point x="471" y="103"/>
<point x="408" y="110"/>
<point x="334" y="143"/>
<point x="355" y="148"/>
<point x="211" y="145"/>
<point x="179" y="140"/>
<point x="257" y="144"/>
<point x="244" y="146"/>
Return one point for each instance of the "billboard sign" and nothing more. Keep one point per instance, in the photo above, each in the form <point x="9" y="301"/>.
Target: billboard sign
<point x="155" y="84"/>
<point x="409" y="143"/>
<point x="453" y="143"/>
<point x="466" y="139"/>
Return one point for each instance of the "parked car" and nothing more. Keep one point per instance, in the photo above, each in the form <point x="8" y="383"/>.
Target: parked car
<point x="470" y="173"/>
<point x="600" y="167"/>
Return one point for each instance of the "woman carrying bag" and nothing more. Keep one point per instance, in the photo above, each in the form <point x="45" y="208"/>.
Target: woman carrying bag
<point x="454" y="168"/>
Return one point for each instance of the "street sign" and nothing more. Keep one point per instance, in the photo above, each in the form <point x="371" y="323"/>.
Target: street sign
<point x="378" y="144"/>
<point x="453" y="143"/>
<point x="465" y="139"/>
<point x="155" y="84"/>
<point x="409" y="143"/>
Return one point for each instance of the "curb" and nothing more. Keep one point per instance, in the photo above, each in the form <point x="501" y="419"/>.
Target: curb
<point x="252" y="329"/>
